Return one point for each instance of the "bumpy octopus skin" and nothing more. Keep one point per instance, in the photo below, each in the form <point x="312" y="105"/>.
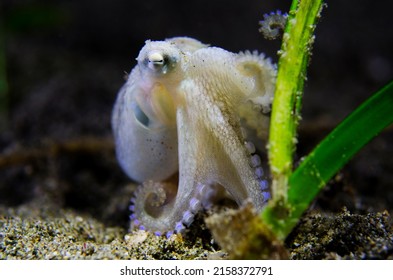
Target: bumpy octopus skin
<point x="190" y="108"/>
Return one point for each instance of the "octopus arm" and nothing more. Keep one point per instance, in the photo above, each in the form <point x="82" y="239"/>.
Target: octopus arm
<point x="221" y="151"/>
<point x="260" y="73"/>
<point x="176" y="207"/>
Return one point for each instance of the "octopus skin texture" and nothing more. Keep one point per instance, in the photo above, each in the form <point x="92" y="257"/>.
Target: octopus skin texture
<point x="196" y="110"/>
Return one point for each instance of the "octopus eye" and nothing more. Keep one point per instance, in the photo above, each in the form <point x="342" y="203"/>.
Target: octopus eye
<point x="156" y="59"/>
<point x="159" y="62"/>
<point x="141" y="116"/>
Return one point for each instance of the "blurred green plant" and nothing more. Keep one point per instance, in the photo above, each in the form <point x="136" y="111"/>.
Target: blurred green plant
<point x="22" y="18"/>
<point x="294" y="56"/>
<point x="35" y="17"/>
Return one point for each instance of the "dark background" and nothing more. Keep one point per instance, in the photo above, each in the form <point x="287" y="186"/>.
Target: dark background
<point x="352" y="56"/>
<point x="65" y="61"/>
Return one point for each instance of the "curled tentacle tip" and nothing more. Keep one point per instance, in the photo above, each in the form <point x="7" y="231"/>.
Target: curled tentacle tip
<point x="169" y="234"/>
<point x="272" y="24"/>
<point x="157" y="233"/>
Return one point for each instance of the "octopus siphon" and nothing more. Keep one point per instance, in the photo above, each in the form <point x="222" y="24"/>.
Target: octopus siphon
<point x="197" y="111"/>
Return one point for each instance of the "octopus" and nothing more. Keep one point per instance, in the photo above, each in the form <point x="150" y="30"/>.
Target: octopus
<point x="197" y="111"/>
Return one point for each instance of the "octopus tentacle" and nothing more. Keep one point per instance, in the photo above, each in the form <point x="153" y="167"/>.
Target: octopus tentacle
<point x="272" y="24"/>
<point x="224" y="144"/>
<point x="262" y="74"/>
<point x="253" y="112"/>
<point x="154" y="208"/>
<point x="162" y="208"/>
<point x="255" y="162"/>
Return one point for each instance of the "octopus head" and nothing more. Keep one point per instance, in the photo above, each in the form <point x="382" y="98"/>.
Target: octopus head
<point x="159" y="58"/>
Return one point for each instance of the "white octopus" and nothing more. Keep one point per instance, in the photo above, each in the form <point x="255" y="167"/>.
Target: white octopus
<point x="192" y="109"/>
